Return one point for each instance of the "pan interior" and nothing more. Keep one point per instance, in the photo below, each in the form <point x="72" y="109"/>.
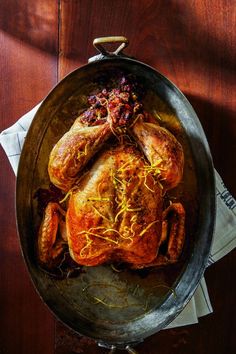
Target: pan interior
<point x="102" y="296"/>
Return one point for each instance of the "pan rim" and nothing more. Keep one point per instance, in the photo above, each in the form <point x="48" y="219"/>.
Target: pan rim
<point x="210" y="203"/>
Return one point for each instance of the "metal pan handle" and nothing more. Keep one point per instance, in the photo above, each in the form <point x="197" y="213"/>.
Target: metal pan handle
<point x="99" y="44"/>
<point x="128" y="348"/>
<point x="113" y="348"/>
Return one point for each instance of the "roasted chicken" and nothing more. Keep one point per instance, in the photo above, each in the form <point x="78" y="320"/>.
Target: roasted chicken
<point x="114" y="210"/>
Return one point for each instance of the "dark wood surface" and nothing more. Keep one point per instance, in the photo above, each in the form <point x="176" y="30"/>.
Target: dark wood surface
<point x="193" y="44"/>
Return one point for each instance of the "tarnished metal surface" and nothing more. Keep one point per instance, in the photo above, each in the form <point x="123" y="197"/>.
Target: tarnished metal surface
<point x="134" y="304"/>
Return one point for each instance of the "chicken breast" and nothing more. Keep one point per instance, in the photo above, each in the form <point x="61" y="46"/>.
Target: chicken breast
<point x="116" y="212"/>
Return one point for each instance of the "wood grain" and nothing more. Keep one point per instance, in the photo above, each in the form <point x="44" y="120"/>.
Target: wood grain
<point x="28" y="70"/>
<point x="193" y="44"/>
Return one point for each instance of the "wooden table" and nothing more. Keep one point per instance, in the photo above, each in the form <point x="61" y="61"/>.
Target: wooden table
<point x="193" y="44"/>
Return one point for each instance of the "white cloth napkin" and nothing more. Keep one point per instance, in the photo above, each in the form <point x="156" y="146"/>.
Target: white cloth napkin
<point x="12" y="140"/>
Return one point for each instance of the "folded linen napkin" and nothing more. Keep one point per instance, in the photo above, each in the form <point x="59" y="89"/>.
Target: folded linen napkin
<point x="12" y="140"/>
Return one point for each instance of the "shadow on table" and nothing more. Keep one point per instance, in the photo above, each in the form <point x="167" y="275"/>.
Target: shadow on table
<point x="34" y="22"/>
<point x="218" y="123"/>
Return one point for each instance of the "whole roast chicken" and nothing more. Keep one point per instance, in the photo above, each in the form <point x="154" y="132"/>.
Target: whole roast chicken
<point x="114" y="166"/>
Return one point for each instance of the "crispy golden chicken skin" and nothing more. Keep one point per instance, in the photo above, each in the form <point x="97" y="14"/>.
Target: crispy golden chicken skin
<point x="113" y="215"/>
<point x="162" y="149"/>
<point x="73" y="151"/>
<point x="115" y="209"/>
